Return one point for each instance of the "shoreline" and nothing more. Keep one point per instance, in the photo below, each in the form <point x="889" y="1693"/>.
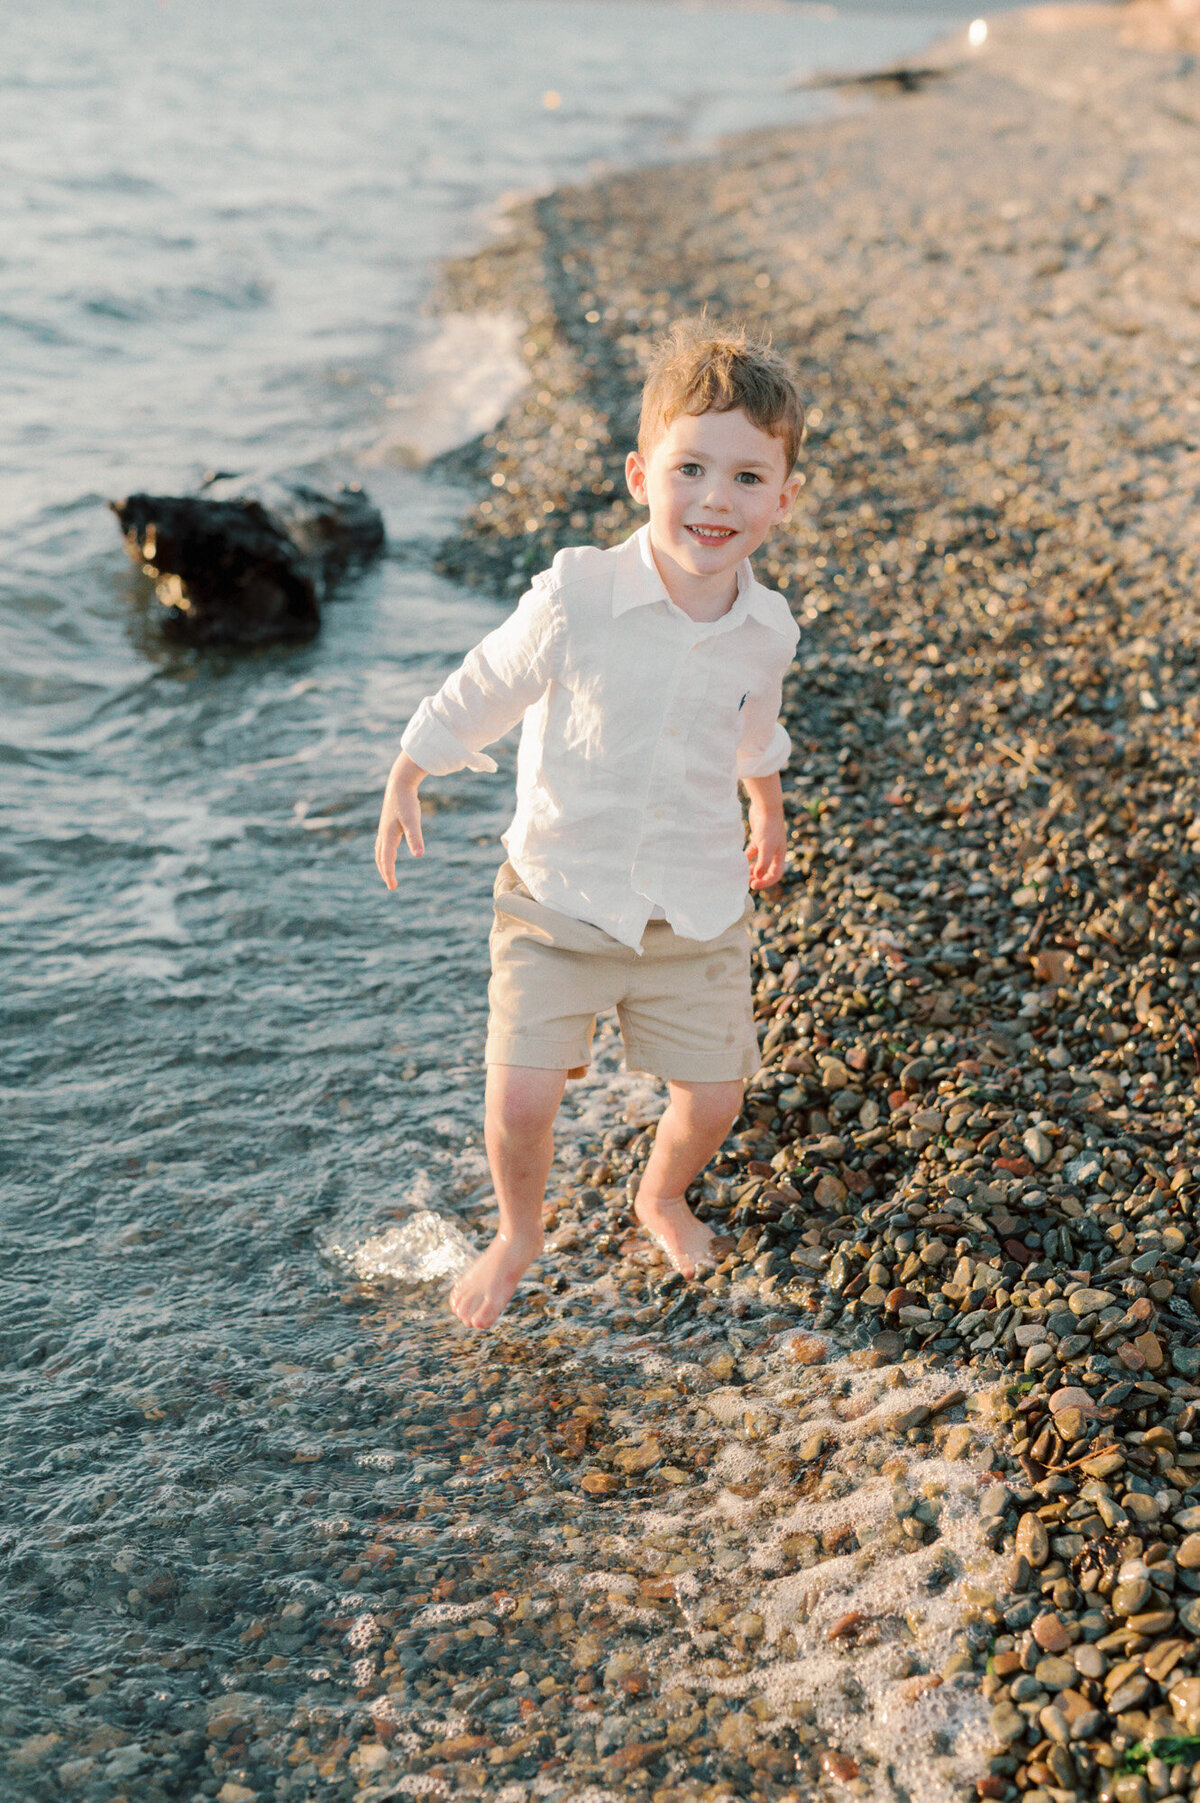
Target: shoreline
<point x="975" y="1139"/>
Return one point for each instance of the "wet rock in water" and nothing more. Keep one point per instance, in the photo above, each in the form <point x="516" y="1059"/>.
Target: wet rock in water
<point x="252" y="567"/>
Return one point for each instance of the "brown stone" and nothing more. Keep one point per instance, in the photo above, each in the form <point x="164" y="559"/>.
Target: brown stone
<point x="1151" y="1622"/>
<point x="640" y="1752"/>
<point x="1050" y="1634"/>
<point x="838" y="1766"/>
<point x="638" y="1458"/>
<point x="1072" y="1396"/>
<point x="1184" y="1698"/>
<point x="913" y="1688"/>
<point x="1162" y="1659"/>
<point x="1031" y="1540"/>
<point x="808" y="1348"/>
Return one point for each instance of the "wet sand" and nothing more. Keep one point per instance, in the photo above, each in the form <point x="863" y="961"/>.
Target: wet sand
<point x="970" y="1164"/>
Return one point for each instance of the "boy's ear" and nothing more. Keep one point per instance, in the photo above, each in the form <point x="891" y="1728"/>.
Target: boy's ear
<point x="787" y="495"/>
<point x="635" y="477"/>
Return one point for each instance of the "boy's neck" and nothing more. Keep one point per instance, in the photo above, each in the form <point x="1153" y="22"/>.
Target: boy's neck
<point x="702" y="598"/>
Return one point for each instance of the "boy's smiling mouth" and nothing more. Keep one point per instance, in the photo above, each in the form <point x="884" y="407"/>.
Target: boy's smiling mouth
<point x="712" y="535"/>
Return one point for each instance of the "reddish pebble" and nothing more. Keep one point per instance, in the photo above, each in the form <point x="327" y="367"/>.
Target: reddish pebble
<point x="808" y="1348"/>
<point x="838" y="1766"/>
<point x="992" y="1786"/>
<point x="847" y="1625"/>
<point x="1050" y="1634"/>
<point x="1017" y="1167"/>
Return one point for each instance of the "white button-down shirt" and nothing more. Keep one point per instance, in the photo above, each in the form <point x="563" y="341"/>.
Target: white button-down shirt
<point x="638" y="722"/>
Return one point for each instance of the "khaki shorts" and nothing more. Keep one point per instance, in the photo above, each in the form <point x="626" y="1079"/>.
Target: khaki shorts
<point x="684" y="1005"/>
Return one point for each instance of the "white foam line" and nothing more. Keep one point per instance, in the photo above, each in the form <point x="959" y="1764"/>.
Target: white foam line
<point x="459" y="384"/>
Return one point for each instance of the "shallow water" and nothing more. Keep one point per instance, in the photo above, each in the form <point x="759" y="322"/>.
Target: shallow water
<point x="234" y="1068"/>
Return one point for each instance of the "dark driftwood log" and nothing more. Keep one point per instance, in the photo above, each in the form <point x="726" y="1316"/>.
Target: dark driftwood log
<point x="253" y="568"/>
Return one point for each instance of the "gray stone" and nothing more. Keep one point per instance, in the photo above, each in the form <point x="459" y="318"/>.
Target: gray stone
<point x="1038" y="1145"/>
<point x="1006" y="1723"/>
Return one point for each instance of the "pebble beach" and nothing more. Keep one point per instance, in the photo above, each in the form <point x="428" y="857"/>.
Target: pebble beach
<point x="902" y="1503"/>
<point x="959" y="1337"/>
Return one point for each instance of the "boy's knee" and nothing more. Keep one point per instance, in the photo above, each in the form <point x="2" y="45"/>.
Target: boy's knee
<point x="711" y="1107"/>
<point x="523" y="1104"/>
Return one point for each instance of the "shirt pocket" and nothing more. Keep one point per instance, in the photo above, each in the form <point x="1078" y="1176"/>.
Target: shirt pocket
<point x="726" y="696"/>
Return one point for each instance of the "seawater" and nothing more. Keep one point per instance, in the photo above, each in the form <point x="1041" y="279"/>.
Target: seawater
<point x="236" y="1072"/>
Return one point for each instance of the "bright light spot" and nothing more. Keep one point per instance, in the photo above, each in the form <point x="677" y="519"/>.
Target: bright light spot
<point x="977" y="33"/>
<point x="552" y="99"/>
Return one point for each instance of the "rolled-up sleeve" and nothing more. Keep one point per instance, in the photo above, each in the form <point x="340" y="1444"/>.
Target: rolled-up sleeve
<point x="489" y="692"/>
<point x="765" y="746"/>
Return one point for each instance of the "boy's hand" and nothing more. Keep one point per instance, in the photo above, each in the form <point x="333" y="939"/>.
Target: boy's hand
<point x="766" y="850"/>
<point x="400" y="817"/>
<point x="768" y="831"/>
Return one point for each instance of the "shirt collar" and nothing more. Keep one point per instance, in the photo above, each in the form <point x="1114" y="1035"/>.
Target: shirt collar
<point x="637" y="583"/>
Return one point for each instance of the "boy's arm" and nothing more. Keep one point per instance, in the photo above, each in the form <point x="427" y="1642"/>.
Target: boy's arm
<point x="400" y="817"/>
<point x="477" y="703"/>
<point x="489" y="692"/>
<point x="768" y="830"/>
<point x="762" y="754"/>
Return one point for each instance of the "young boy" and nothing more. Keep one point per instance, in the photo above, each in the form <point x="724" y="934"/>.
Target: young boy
<point x="648" y="681"/>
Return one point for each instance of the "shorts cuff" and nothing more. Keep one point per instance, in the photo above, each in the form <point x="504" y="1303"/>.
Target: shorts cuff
<point x="538" y="1054"/>
<point x="693" y="1067"/>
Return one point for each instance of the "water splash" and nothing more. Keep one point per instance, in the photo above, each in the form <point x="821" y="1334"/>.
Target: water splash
<point x="426" y="1248"/>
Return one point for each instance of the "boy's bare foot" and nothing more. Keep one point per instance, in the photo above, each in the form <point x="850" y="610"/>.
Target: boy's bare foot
<point x="687" y="1242"/>
<point x="482" y="1294"/>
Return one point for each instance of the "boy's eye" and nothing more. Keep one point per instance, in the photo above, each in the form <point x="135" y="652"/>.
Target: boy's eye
<point x="748" y="477"/>
<point x="690" y="469"/>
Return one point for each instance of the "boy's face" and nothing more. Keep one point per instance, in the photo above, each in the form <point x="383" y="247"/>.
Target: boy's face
<point x="715" y="484"/>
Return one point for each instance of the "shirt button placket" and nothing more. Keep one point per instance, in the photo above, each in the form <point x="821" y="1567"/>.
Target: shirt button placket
<point x="666" y="773"/>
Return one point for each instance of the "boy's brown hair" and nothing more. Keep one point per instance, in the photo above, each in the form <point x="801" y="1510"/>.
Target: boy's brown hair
<point x="696" y="368"/>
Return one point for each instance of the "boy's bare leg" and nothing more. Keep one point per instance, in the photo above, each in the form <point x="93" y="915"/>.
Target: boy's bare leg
<point x="519" y="1134"/>
<point x="694" y="1124"/>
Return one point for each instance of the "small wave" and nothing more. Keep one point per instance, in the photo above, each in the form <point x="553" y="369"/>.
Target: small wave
<point x="460" y="383"/>
<point x="37" y="329"/>
<point x="108" y="181"/>
<point x="231" y="294"/>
